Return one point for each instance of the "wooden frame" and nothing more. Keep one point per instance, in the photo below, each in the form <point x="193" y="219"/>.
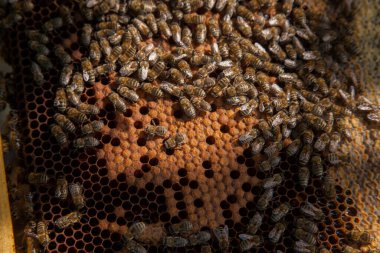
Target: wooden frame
<point x="7" y="242"/>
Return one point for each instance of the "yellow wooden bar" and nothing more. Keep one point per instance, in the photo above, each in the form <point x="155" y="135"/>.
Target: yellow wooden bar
<point x="7" y="243"/>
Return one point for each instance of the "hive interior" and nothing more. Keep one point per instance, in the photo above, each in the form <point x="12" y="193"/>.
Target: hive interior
<point x="129" y="178"/>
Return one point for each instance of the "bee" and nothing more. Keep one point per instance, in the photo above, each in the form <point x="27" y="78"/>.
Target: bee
<point x="44" y="62"/>
<point x="206" y="249"/>
<point x="194" y="91"/>
<point x="307" y="237"/>
<point x="349" y="249"/>
<point x="153" y="130"/>
<point x="77" y="83"/>
<point x="361" y="237"/>
<point x="76" y="192"/>
<point x="201" y="104"/>
<point x="287" y="7"/>
<point x="257" y="145"/>
<point x="250" y="241"/>
<point x="303" y="176"/>
<point x="30" y="229"/>
<point x="248" y="137"/>
<point x="222" y="235"/>
<point x="175" y="242"/>
<point x="88" y="109"/>
<point x="301" y="246"/>
<point x="133" y="246"/>
<point x="72" y="97"/>
<point x="171" y="89"/>
<point x="52" y="24"/>
<point x="187" y="107"/>
<point x="37" y="178"/>
<point x="316" y="166"/>
<point x="61" y="189"/>
<point x="94" y="51"/>
<point x="263" y="201"/>
<point x="175" y="141"/>
<point x="214" y="28"/>
<point x="65" y="13"/>
<point x="333" y="158"/>
<point x="334" y="142"/>
<point x="307" y="225"/>
<point x="62" y="55"/>
<point x="305" y="154"/>
<point x="200" y="237"/>
<point x="60" y="100"/>
<point x="308" y="136"/>
<point x="243" y="27"/>
<point x="329" y="185"/>
<point x="38" y="47"/>
<point x="92" y="127"/>
<point x="65" y="76"/>
<point x="85" y="37"/>
<point x="254" y="223"/>
<point x="75" y="115"/>
<point x="114" y="55"/>
<point x="64" y="122"/>
<point x="118" y="102"/>
<point x="127" y="93"/>
<point x="237" y="100"/>
<point x="43" y="234"/>
<point x="184" y="67"/>
<point x="137" y="228"/>
<point x="277" y="51"/>
<point x="272" y="149"/>
<point x="164" y="28"/>
<point x="128" y="82"/>
<point x="88" y="71"/>
<point x="151" y="23"/>
<point x="181" y="227"/>
<point x="280" y="212"/>
<point x="276" y="233"/>
<point x="37" y="36"/>
<point x="321" y="143"/>
<point x="68" y="220"/>
<point x="58" y="134"/>
<point x="142" y="27"/>
<point x="317" y="122"/>
<point x="272" y="182"/>
<point x="310" y="107"/>
<point x="38" y="77"/>
<point x="311" y="211"/>
<point x="248" y="108"/>
<point x="85" y="142"/>
<point x="264" y="103"/>
<point x="152" y="90"/>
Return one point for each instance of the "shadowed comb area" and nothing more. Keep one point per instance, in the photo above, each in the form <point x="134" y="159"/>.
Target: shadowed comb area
<point x="171" y="118"/>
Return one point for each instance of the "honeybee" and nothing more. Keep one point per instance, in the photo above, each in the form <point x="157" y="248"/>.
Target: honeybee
<point x="305" y="154"/>
<point x="92" y="127"/>
<point x="77" y="83"/>
<point x="175" y="141"/>
<point x="303" y="176"/>
<point x="58" y="134"/>
<point x="184" y="226"/>
<point x="329" y="185"/>
<point x="201" y="104"/>
<point x="321" y="143"/>
<point x="243" y="27"/>
<point x="272" y="182"/>
<point x="175" y="242"/>
<point x="206" y="249"/>
<point x="214" y="28"/>
<point x="137" y="228"/>
<point x="248" y="137"/>
<point x="64" y="122"/>
<point x="30" y="228"/>
<point x="37" y="36"/>
<point x="307" y="225"/>
<point x="76" y="116"/>
<point x="127" y="93"/>
<point x="133" y="246"/>
<point x="37" y="178"/>
<point x="257" y="145"/>
<point x="171" y="89"/>
<point x="52" y="24"/>
<point x="248" y="108"/>
<point x="38" y="47"/>
<point x="222" y="235"/>
<point x="43" y="234"/>
<point x="85" y="142"/>
<point x="199" y="238"/>
<point x="316" y="166"/>
<point x="76" y="192"/>
<point x="152" y="90"/>
<point x="60" y="100"/>
<point x="254" y="223"/>
<point x="118" y="102"/>
<point x="187" y="107"/>
<point x="250" y="241"/>
<point x="153" y="130"/>
<point x="61" y="189"/>
<point x="263" y="201"/>
<point x="334" y="142"/>
<point x="237" y="100"/>
<point x="85" y="37"/>
<point x="280" y="212"/>
<point x="361" y="237"/>
<point x="194" y="91"/>
<point x="114" y="55"/>
<point x="88" y="71"/>
<point x="152" y="23"/>
<point x="38" y="77"/>
<point x="94" y="51"/>
<point x="276" y="233"/>
<point x="164" y="28"/>
<point x="72" y="97"/>
<point x="62" y="55"/>
<point x="301" y="234"/>
<point x="264" y="103"/>
<point x="44" y="61"/>
<point x="301" y="246"/>
<point x="65" y="76"/>
<point x="333" y="158"/>
<point x="308" y="136"/>
<point x="68" y="220"/>
<point x="311" y="211"/>
<point x="129" y="68"/>
<point x="349" y="249"/>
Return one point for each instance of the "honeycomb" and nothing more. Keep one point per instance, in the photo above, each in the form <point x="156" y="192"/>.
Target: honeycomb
<point x="210" y="180"/>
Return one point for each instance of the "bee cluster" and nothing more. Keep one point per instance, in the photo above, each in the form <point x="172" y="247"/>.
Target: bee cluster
<point x="277" y="62"/>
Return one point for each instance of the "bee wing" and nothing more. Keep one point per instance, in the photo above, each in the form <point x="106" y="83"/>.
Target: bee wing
<point x="220" y="232"/>
<point x="244" y="237"/>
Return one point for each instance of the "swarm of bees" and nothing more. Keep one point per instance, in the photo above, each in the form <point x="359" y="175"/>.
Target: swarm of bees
<point x="271" y="66"/>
